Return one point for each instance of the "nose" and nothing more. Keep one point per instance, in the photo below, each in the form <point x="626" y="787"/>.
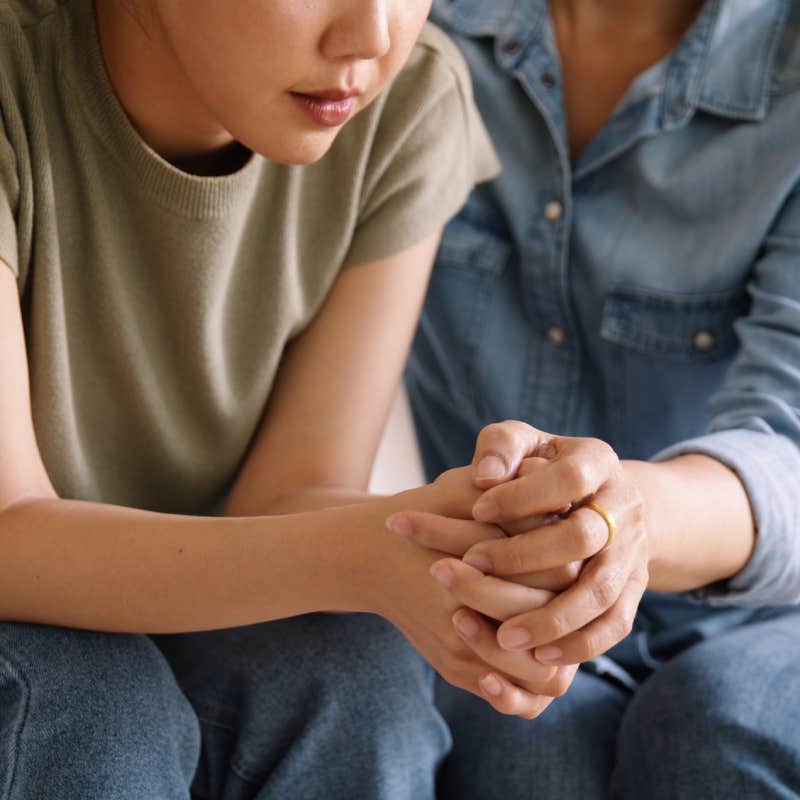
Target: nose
<point x="360" y="30"/>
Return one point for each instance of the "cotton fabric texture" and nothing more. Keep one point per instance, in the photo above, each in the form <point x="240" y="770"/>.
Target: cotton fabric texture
<point x="156" y="303"/>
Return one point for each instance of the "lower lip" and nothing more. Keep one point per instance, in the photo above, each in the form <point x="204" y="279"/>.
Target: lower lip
<point x="330" y="113"/>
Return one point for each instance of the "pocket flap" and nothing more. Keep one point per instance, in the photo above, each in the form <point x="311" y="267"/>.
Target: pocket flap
<point x="466" y="245"/>
<point x="680" y="326"/>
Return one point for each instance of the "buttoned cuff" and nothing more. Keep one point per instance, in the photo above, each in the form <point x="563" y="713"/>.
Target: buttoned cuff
<point x="768" y="466"/>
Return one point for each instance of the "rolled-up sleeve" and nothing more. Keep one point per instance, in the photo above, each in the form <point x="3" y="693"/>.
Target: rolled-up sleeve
<point x="755" y="423"/>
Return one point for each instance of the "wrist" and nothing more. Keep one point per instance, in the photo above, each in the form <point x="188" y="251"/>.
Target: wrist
<point x="645" y="474"/>
<point x="375" y="561"/>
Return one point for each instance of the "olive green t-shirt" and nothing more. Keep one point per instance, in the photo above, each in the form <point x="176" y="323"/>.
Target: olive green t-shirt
<point x="157" y="303"/>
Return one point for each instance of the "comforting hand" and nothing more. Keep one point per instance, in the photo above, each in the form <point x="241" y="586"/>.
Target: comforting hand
<point x="543" y="482"/>
<point x="461" y="644"/>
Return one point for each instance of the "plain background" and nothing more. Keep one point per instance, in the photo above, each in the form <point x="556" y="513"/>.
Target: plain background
<point x="397" y="465"/>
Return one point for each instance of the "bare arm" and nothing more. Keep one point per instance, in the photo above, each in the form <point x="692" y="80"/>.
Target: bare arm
<point x="111" y="568"/>
<point x="324" y="420"/>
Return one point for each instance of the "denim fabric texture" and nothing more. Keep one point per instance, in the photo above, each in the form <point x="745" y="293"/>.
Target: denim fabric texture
<point x="716" y="721"/>
<point x="317" y="707"/>
<point x="341" y="707"/>
<point x="648" y="294"/>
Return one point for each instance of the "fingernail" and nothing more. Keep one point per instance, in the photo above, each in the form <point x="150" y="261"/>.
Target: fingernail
<point x="512" y="638"/>
<point x="399" y="524"/>
<point x="442" y="574"/>
<point x="548" y="653"/>
<point x="485" y="510"/>
<point x="491" y="685"/>
<point x="465" y="624"/>
<point x="478" y="560"/>
<point x="490" y="468"/>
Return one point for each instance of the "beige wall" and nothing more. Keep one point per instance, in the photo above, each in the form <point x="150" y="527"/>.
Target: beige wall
<point x="397" y="465"/>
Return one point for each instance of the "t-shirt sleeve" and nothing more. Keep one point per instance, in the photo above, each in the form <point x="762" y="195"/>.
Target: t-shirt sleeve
<point x="430" y="148"/>
<point x="9" y="192"/>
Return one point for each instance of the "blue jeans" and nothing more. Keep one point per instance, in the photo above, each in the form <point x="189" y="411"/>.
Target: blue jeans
<point x="324" y="706"/>
<point x="712" y="719"/>
<point x="340" y="706"/>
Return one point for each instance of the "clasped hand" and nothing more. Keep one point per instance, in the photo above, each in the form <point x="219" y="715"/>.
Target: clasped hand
<point x="540" y="591"/>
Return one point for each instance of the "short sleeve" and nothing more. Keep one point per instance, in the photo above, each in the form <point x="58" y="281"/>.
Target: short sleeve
<point x="8" y="192"/>
<point x="9" y="195"/>
<point x="429" y="150"/>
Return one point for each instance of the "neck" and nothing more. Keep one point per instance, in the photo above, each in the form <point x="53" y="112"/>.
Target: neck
<point x="154" y="91"/>
<point x="667" y="18"/>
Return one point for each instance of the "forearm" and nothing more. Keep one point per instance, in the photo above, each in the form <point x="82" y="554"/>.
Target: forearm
<point x="699" y="522"/>
<point x="111" y="568"/>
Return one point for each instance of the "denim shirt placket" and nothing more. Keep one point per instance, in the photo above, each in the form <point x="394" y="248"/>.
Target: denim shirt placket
<point x="527" y="51"/>
<point x="535" y="67"/>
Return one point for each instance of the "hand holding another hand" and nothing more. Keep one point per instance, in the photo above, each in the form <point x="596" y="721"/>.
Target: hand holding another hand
<point x="460" y="643"/>
<point x="537" y="486"/>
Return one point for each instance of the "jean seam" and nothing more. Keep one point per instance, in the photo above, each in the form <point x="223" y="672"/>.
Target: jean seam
<point x="15" y="672"/>
<point x="242" y="772"/>
<point x="214" y="724"/>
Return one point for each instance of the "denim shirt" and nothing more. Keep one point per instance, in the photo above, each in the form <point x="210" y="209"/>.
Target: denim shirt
<point x="648" y="294"/>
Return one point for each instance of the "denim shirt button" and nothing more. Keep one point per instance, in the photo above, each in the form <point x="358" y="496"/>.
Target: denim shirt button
<point x="548" y="80"/>
<point x="703" y="340"/>
<point x="553" y="211"/>
<point x="556" y="335"/>
<point x="510" y="46"/>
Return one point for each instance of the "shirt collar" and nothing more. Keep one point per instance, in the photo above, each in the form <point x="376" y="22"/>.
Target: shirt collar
<point x="743" y="46"/>
<point x="723" y="65"/>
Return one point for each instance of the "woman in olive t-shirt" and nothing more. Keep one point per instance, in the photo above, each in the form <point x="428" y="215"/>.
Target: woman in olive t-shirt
<point x="185" y="364"/>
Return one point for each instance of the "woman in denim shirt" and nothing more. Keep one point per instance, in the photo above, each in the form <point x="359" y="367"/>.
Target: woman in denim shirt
<point x="632" y="279"/>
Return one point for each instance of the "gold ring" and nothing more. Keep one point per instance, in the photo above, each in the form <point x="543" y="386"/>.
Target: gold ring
<point x="609" y="518"/>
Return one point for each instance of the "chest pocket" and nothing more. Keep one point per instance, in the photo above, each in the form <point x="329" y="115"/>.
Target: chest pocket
<point x="672" y="326"/>
<point x="470" y="244"/>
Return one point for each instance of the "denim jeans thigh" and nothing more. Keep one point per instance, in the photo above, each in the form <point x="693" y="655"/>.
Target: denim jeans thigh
<point x="92" y="715"/>
<point x="317" y="706"/>
<point x="719" y="720"/>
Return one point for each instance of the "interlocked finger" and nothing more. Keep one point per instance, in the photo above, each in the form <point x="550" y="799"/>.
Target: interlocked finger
<point x="583" y="534"/>
<point x="493" y="597"/>
<point x="597" y="589"/>
<point x="601" y="635"/>
<point x="520" y="667"/>
<point x="448" y="535"/>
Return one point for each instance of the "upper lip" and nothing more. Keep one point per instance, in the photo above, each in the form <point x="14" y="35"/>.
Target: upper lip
<point x="334" y="95"/>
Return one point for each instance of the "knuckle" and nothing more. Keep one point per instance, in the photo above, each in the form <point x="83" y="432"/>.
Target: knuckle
<point x="514" y="562"/>
<point x="558" y="627"/>
<point x="623" y="627"/>
<point x="547" y="448"/>
<point x="605" y="589"/>
<point x="604" y="451"/>
<point x="585" y="532"/>
<point x="578" y="475"/>
<point x="497" y="434"/>
<point x="505" y="556"/>
<point x="591" y="645"/>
